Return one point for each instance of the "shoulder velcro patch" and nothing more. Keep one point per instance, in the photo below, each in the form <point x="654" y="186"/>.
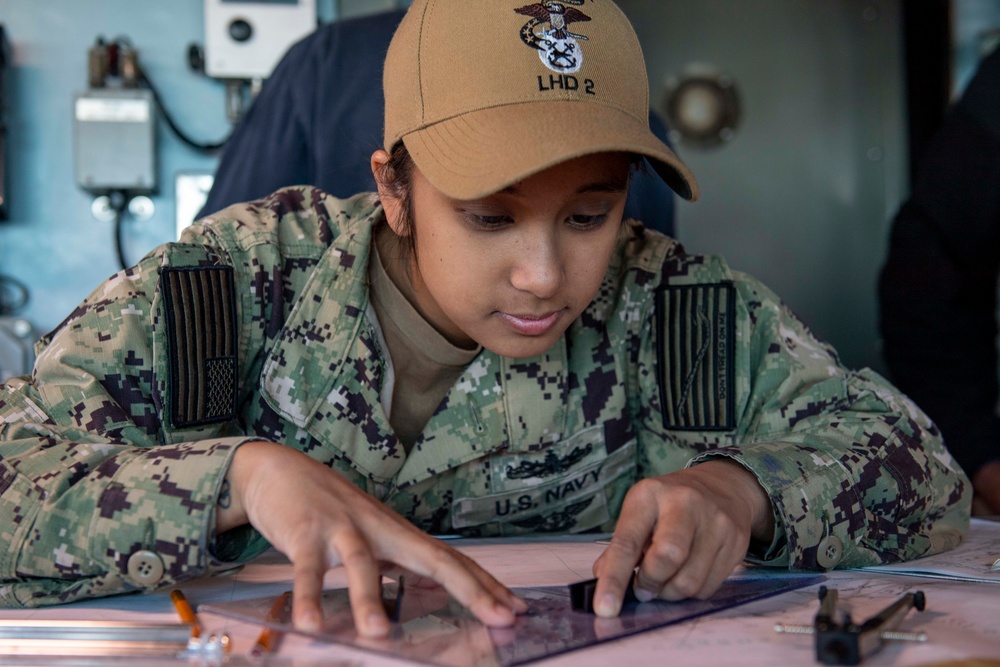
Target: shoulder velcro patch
<point x="696" y="331"/>
<point x="200" y="309"/>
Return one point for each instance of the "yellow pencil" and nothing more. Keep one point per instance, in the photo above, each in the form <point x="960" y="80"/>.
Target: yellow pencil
<point x="269" y="638"/>
<point x="185" y="611"/>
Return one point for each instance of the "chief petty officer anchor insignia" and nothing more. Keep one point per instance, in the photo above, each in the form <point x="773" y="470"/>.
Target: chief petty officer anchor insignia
<point x="548" y="31"/>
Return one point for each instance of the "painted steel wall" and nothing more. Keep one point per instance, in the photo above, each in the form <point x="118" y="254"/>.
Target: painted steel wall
<point x="52" y="242"/>
<point x="802" y="196"/>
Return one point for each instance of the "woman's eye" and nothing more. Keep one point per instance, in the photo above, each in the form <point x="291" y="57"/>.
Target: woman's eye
<point x="487" y="221"/>
<point x="492" y="220"/>
<point x="582" y="221"/>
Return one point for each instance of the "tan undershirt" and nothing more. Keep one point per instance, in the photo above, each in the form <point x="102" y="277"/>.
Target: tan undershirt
<point x="425" y="363"/>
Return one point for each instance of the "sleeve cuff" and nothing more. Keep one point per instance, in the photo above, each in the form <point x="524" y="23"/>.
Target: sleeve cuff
<point x="154" y="521"/>
<point x="152" y="525"/>
<point x="801" y="499"/>
<point x="774" y="554"/>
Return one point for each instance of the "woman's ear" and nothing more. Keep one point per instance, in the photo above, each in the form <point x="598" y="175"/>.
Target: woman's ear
<point x="388" y="189"/>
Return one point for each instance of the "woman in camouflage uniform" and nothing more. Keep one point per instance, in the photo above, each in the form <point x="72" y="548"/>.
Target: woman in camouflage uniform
<point x="484" y="348"/>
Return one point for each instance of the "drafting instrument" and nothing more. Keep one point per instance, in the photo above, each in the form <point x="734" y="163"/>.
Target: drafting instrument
<point x="185" y="611"/>
<point x="581" y="595"/>
<point x="394" y="603"/>
<point x="846" y="642"/>
<point x="105" y="638"/>
<point x="435" y="629"/>
<point x="270" y="637"/>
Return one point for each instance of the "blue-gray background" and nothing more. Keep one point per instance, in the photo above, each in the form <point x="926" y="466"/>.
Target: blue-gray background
<point x="51" y="241"/>
<point x="801" y="197"/>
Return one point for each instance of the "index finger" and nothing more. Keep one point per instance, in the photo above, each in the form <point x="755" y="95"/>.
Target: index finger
<point x="615" y="567"/>
<point x="364" y="587"/>
<point x="307" y="587"/>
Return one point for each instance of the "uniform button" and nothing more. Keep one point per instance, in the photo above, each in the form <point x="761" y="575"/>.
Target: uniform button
<point x="829" y="552"/>
<point x="145" y="567"/>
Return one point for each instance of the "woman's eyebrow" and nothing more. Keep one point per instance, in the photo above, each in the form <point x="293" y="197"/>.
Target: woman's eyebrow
<point x="611" y="185"/>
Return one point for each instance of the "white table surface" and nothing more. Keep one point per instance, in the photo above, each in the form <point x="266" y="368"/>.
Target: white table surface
<point x="962" y="619"/>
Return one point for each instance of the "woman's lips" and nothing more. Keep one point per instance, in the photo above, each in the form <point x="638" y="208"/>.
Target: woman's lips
<point x="531" y="325"/>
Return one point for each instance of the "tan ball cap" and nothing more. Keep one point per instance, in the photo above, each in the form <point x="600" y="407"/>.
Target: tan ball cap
<point x="486" y="93"/>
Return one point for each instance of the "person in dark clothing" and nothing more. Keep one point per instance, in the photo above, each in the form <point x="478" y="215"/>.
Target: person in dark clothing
<point x="938" y="288"/>
<point x="320" y="109"/>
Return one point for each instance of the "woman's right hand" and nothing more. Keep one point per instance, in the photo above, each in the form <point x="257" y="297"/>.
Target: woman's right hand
<point x="320" y="520"/>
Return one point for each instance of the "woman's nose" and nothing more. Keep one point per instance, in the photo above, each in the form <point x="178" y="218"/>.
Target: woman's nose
<point x="536" y="267"/>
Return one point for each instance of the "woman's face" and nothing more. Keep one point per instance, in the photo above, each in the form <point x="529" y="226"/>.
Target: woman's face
<point x="513" y="270"/>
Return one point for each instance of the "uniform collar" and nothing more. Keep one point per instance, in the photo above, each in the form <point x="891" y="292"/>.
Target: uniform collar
<point x="498" y="403"/>
<point x="325" y="374"/>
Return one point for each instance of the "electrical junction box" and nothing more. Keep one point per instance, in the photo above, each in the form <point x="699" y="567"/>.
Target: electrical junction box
<point x="114" y="140"/>
<point x="17" y="352"/>
<point x="245" y="40"/>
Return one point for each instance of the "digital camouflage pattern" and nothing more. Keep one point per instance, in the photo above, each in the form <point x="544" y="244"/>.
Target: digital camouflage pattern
<point x="679" y="359"/>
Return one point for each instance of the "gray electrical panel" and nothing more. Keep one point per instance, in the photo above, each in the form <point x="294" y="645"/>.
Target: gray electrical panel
<point x="114" y="134"/>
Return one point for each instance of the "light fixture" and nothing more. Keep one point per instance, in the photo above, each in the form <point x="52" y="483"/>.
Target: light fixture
<point x="702" y="107"/>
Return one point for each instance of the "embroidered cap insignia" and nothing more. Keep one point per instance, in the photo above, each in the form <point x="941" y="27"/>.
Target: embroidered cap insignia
<point x="548" y="31"/>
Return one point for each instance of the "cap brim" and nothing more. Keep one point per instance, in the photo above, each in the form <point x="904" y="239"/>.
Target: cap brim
<point x="482" y="152"/>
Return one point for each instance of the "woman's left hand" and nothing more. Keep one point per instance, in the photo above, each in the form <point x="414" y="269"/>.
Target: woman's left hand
<point x="685" y="531"/>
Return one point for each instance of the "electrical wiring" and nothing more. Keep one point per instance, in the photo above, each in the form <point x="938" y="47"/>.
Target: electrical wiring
<point x="205" y="147"/>
<point x="184" y="137"/>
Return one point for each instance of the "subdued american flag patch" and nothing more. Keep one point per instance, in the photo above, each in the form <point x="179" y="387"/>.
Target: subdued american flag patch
<point x="200" y="309"/>
<point x="696" y="331"/>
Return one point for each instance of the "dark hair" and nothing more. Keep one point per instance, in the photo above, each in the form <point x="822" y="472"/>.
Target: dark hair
<point x="396" y="177"/>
